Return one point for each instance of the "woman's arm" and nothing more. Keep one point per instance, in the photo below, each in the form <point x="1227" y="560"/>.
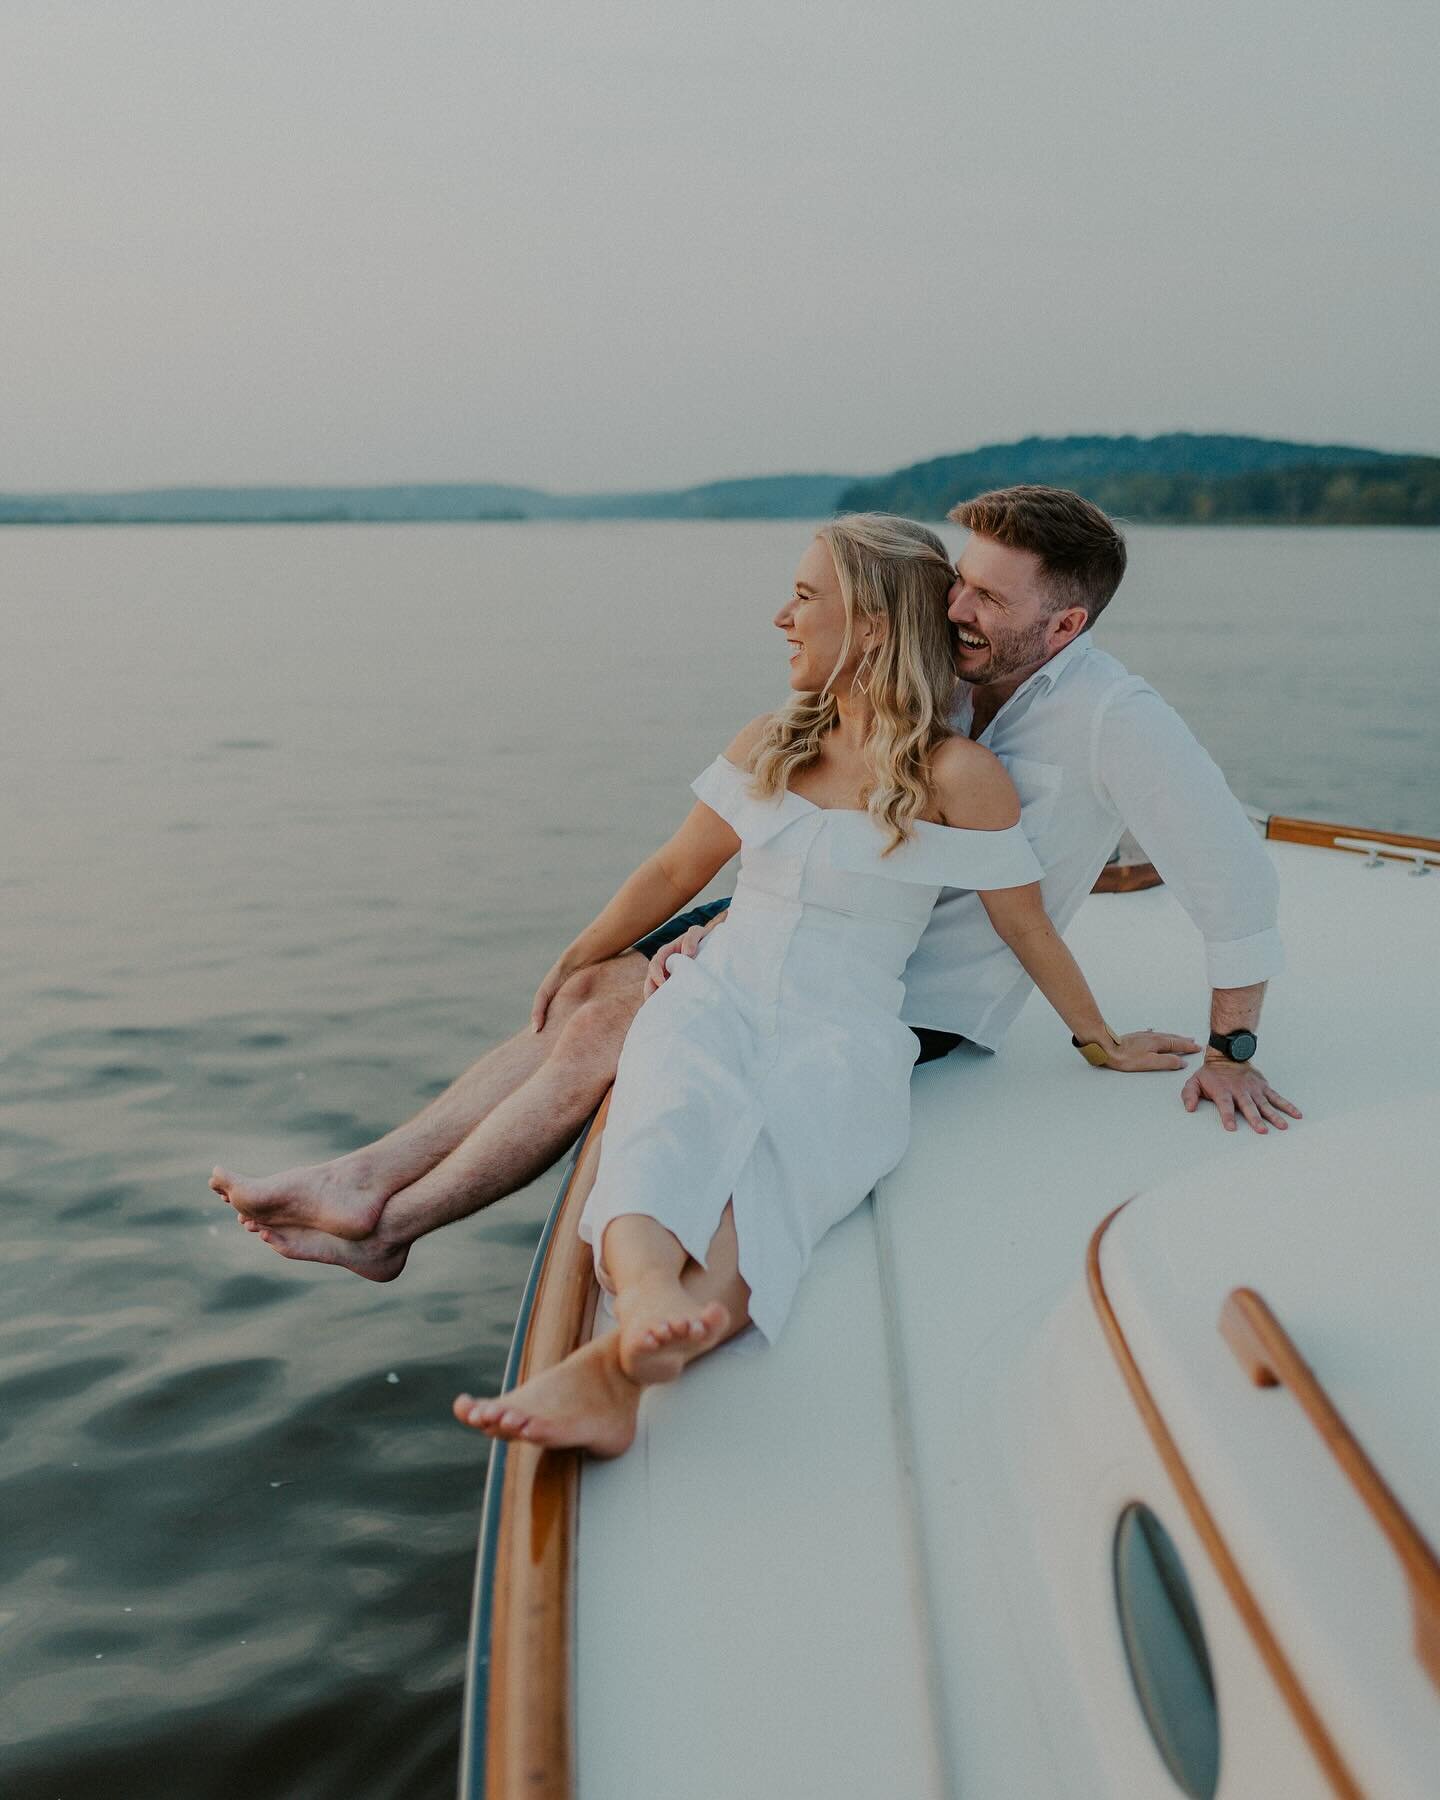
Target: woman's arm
<point x="663" y="884"/>
<point x="977" y="794"/>
<point x="1019" y="916"/>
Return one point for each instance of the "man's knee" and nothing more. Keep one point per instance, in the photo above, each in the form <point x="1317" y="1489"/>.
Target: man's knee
<point x="595" y="1029"/>
<point x="619" y="978"/>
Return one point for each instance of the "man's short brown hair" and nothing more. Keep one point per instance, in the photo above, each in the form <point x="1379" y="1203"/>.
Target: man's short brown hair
<point x="1081" y="551"/>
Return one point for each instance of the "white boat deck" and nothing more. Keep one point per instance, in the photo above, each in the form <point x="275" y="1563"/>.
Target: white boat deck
<point x="821" y="1572"/>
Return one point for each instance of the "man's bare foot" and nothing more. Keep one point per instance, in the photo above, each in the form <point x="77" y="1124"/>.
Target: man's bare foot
<point x="584" y="1403"/>
<point x="343" y="1197"/>
<point x="370" y="1257"/>
<point x="662" y="1327"/>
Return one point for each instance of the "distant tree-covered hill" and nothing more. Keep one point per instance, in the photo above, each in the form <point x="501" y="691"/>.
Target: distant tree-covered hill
<point x="1179" y="477"/>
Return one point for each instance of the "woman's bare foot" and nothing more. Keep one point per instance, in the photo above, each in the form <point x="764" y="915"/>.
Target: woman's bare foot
<point x="343" y="1197"/>
<point x="373" y="1258"/>
<point x="584" y="1403"/>
<point x="662" y="1327"/>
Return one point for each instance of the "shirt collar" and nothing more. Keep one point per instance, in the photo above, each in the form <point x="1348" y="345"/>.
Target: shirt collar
<point x="1057" y="665"/>
<point x="1044" y="678"/>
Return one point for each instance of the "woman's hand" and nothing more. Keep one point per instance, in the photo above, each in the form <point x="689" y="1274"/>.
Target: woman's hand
<point x="685" y="945"/>
<point x="558" y="975"/>
<point x="1139" y="1051"/>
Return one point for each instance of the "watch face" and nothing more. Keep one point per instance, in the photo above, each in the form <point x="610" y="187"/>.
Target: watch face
<point x="1242" y="1045"/>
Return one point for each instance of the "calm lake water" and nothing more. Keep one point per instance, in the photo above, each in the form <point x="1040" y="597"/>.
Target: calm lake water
<point x="292" y="821"/>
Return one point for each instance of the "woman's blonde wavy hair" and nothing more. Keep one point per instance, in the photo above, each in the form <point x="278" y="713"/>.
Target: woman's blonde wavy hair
<point x="896" y="574"/>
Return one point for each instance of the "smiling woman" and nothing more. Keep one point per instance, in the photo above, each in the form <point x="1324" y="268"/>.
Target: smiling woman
<point x="868" y="613"/>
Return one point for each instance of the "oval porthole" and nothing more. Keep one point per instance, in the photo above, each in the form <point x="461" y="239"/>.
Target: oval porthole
<point x="1165" y="1647"/>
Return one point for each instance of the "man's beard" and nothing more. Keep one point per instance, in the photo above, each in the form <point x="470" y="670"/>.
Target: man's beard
<point x="1010" y="655"/>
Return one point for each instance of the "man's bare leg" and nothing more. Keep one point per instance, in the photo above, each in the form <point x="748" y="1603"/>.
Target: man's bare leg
<point x="346" y="1196"/>
<point x="517" y="1140"/>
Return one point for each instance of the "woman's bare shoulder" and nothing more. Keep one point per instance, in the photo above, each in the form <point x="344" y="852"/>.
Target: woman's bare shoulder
<point x="744" y="741"/>
<point x="972" y="786"/>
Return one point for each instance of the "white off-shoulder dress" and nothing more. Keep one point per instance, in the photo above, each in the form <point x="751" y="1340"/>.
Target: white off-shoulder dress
<point x="772" y="1067"/>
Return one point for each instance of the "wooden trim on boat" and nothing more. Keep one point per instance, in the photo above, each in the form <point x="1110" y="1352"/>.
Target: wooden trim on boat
<point x="520" y="1718"/>
<point x="1269" y="1356"/>
<point x="1312" y="1727"/>
<point x="1127" y="878"/>
<point x="1400" y="846"/>
<point x="1316" y="831"/>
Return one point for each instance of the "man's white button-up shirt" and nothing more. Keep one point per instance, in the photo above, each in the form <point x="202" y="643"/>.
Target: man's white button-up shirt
<point x="1094" y="751"/>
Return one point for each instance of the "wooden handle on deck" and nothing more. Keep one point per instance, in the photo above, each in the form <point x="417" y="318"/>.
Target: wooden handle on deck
<point x="1270" y="1358"/>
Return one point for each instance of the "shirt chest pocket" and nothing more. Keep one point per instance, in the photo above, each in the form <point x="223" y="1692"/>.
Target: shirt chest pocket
<point x="1038" y="785"/>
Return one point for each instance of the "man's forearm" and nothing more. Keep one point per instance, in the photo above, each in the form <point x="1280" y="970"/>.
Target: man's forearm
<point x="1234" y="1009"/>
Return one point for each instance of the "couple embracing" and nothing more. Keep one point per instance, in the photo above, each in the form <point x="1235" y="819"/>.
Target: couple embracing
<point x="911" y="847"/>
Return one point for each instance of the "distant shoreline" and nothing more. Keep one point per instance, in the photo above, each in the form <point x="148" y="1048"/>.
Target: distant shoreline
<point x="1153" y="524"/>
<point x="1180" y="479"/>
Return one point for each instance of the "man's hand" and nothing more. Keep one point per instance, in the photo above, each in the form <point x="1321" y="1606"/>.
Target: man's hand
<point x="685" y="945"/>
<point x="1238" y="1087"/>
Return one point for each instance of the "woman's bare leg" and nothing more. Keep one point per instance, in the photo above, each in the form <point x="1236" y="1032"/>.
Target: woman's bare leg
<point x="665" y="1320"/>
<point x="670" y="1310"/>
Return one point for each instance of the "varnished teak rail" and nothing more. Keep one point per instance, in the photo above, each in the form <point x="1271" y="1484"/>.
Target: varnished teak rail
<point x="1270" y="1358"/>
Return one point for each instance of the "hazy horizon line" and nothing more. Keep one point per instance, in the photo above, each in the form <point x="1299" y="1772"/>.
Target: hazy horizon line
<point x="192" y="485"/>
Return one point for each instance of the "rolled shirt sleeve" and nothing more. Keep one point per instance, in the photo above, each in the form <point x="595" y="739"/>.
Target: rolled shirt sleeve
<point x="1174" y="799"/>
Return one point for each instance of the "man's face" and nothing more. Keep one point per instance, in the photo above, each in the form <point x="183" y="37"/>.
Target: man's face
<point x="1005" y="625"/>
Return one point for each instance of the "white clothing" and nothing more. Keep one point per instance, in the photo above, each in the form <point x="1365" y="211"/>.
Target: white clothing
<point x="772" y="1069"/>
<point x="1092" y="751"/>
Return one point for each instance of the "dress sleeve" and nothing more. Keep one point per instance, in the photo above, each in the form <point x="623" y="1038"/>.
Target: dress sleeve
<point x="943" y="856"/>
<point x="973" y="859"/>
<point x="726" y="790"/>
<point x="722" y="788"/>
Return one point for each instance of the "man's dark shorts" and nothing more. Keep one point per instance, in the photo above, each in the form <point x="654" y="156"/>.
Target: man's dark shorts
<point x="933" y="1044"/>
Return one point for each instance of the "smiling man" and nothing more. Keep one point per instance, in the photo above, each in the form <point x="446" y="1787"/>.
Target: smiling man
<point x="1092" y="750"/>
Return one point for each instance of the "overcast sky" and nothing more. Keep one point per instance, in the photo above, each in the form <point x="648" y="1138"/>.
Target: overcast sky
<point x="615" y="244"/>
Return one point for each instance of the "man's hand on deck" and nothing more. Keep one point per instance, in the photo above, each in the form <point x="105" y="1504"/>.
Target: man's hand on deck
<point x="1238" y="1088"/>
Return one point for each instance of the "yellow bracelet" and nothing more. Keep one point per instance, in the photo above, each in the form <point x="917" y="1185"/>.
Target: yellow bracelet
<point x="1095" y="1054"/>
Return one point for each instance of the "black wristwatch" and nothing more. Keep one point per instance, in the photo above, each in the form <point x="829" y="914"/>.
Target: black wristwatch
<point x="1239" y="1046"/>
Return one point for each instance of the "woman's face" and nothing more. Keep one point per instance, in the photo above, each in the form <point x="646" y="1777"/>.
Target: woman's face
<point x="813" y="620"/>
